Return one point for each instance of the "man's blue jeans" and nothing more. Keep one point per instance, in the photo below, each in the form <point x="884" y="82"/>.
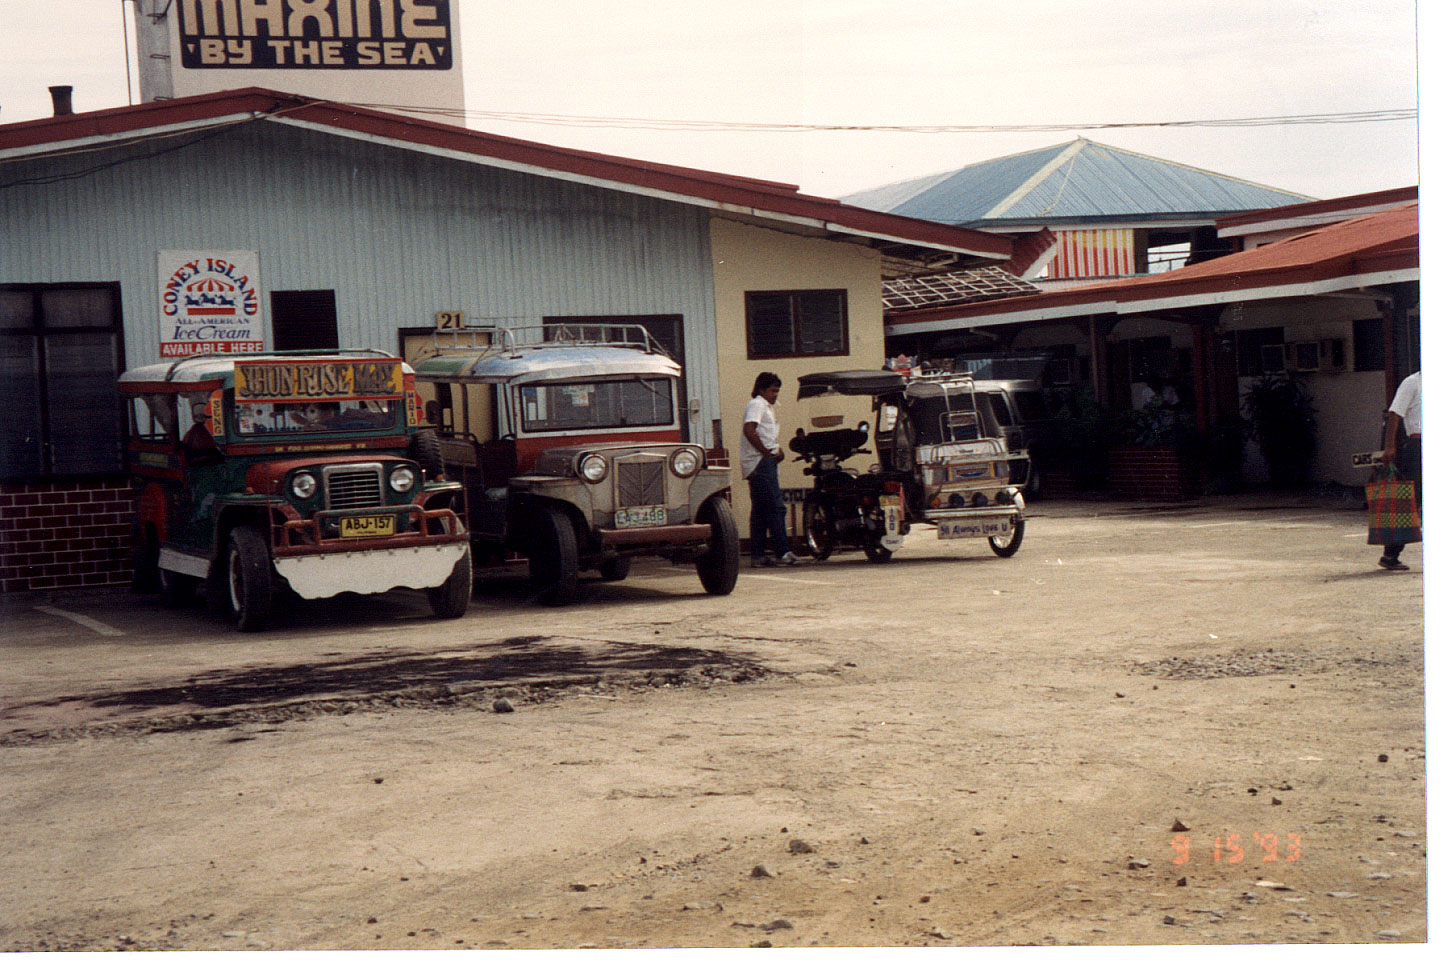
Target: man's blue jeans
<point x="767" y="510"/>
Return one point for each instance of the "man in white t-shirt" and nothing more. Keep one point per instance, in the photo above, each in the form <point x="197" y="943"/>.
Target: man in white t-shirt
<point x="1402" y="448"/>
<point x="760" y="458"/>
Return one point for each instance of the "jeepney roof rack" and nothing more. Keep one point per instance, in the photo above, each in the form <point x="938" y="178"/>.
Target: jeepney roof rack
<point x="514" y="340"/>
<point x="938" y="375"/>
<point x="314" y="352"/>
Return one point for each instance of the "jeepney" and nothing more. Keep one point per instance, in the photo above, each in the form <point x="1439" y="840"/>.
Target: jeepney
<point x="301" y="472"/>
<point x="567" y="443"/>
<point x="943" y="460"/>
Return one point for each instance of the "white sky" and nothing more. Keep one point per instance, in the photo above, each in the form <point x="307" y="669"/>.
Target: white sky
<point x="905" y="62"/>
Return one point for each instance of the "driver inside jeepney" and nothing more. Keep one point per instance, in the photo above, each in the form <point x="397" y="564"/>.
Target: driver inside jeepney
<point x="198" y="445"/>
<point x="313" y="416"/>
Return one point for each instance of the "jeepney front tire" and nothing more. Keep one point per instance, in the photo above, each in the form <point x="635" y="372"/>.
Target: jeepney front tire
<point x="176" y="590"/>
<point x="819" y="530"/>
<point x="554" y="558"/>
<point x="146" y="562"/>
<point x="1006" y="546"/>
<point x="451" y="599"/>
<point x="719" y="567"/>
<point x="250" y="580"/>
<point x="614" y="569"/>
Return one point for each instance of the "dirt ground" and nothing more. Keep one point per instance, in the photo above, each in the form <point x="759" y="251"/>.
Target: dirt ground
<point x="1184" y="724"/>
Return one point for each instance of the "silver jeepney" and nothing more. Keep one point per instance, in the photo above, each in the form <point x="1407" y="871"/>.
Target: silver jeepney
<point x="567" y="440"/>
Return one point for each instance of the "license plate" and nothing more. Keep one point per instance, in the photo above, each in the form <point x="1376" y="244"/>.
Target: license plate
<point x="382" y="525"/>
<point x="640" y="517"/>
<point x="974" y="472"/>
<point x="957" y="529"/>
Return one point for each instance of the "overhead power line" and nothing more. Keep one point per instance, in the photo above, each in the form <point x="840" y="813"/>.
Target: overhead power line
<point x="723" y="126"/>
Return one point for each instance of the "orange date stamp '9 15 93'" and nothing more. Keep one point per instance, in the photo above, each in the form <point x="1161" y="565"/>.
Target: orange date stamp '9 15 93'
<point x="1229" y="849"/>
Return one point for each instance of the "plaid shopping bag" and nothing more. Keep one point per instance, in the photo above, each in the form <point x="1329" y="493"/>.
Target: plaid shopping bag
<point x="1394" y="517"/>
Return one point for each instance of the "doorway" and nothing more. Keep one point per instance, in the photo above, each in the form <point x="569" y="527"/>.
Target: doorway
<point x="304" y="320"/>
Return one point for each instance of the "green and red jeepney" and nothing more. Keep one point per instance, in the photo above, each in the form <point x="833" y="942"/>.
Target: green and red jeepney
<point x="302" y="471"/>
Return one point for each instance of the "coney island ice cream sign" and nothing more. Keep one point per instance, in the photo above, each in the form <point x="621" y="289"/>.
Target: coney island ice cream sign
<point x="210" y="303"/>
<point x="316" y="34"/>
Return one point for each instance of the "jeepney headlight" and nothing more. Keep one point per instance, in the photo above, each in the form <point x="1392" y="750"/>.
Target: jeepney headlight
<point x="593" y="468"/>
<point x="303" y="485"/>
<point x="685" y="462"/>
<point x="402" y="479"/>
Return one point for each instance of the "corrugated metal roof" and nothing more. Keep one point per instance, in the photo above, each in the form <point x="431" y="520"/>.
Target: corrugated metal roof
<point x="1075" y="182"/>
<point x="898" y="237"/>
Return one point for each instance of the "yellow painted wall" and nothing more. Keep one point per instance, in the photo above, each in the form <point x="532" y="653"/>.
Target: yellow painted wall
<point x="749" y="258"/>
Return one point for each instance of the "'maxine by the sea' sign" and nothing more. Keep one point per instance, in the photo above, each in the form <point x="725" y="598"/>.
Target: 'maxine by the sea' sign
<point x="316" y="34"/>
<point x="395" y="54"/>
<point x="209" y="302"/>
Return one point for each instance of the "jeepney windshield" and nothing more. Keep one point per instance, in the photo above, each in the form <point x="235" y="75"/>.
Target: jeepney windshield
<point x="587" y="406"/>
<point x="314" y="416"/>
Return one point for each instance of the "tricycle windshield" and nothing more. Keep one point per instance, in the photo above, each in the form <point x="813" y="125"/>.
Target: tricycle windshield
<point x="324" y="416"/>
<point x="596" y="405"/>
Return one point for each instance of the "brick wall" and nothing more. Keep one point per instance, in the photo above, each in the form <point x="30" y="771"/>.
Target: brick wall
<point x="64" y="534"/>
<point x="1143" y="473"/>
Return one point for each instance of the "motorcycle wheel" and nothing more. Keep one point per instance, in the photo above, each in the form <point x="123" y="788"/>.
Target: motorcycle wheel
<point x="876" y="553"/>
<point x="1007" y="545"/>
<point x="819" y="530"/>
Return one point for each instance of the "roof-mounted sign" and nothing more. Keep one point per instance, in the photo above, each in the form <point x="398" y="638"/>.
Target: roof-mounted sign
<point x="317" y="379"/>
<point x="316" y="35"/>
<point x="399" y="52"/>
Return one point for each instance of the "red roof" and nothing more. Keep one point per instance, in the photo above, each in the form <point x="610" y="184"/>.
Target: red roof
<point x="751" y="196"/>
<point x="1338" y="207"/>
<point x="1381" y="247"/>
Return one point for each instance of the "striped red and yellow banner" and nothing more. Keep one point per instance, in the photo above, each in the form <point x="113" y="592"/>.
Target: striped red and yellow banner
<point x="1094" y="253"/>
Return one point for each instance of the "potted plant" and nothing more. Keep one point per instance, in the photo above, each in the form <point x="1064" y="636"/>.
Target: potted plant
<point x="1082" y="433"/>
<point x="1158" y="455"/>
<point x="1281" y="419"/>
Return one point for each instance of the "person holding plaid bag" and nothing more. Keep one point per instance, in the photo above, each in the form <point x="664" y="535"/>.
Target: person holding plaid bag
<point x="1402" y="450"/>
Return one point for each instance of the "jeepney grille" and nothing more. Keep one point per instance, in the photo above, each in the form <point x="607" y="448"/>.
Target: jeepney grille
<point x="640" y="483"/>
<point x="354" y="487"/>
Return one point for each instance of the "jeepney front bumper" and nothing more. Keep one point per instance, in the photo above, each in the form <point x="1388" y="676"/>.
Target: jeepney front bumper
<point x="316" y="575"/>
<point x="317" y="563"/>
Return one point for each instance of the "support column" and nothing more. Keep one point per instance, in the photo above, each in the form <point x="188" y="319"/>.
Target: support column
<point x="1201" y="336"/>
<point x="1387" y="326"/>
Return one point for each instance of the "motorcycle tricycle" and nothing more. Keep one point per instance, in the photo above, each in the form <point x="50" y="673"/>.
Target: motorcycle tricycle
<point x="943" y="460"/>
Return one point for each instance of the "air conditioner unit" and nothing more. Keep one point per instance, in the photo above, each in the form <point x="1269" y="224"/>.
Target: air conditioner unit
<point x="1272" y="358"/>
<point x="1307" y="356"/>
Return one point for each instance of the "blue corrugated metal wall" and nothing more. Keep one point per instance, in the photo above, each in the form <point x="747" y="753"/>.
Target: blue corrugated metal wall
<point x="397" y="235"/>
